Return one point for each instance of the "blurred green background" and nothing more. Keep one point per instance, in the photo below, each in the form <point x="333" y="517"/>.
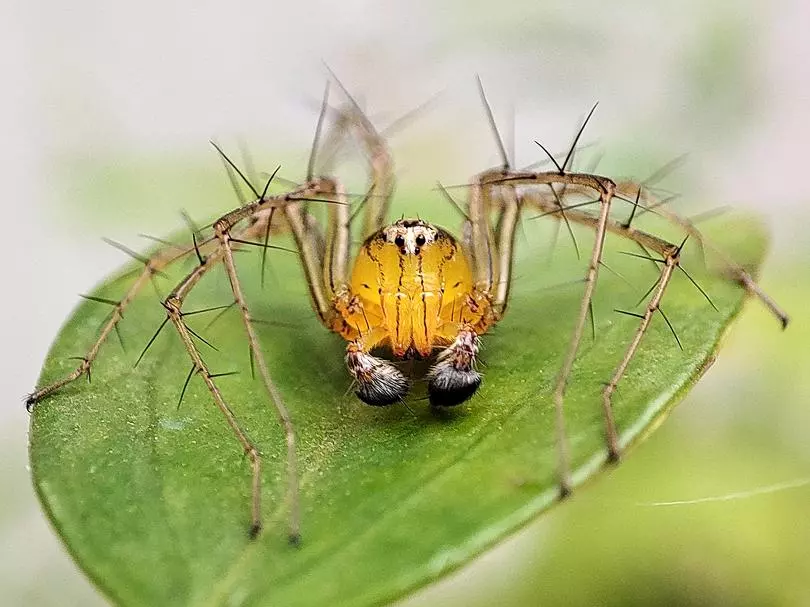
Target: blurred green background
<point x="99" y="92"/>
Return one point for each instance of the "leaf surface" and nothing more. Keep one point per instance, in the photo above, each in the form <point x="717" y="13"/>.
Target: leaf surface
<point x="153" y="500"/>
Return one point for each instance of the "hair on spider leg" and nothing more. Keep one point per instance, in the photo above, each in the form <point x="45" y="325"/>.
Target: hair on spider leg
<point x="698" y="287"/>
<point x="136" y="256"/>
<point x="646" y="208"/>
<point x="162" y="241"/>
<point x="151" y="341"/>
<point x="671" y="328"/>
<point x="629" y="221"/>
<point x="666" y="170"/>
<point x="561" y="210"/>
<point x="569" y="157"/>
<point x="410" y="116"/>
<point x="223" y="310"/>
<point x="241" y="175"/>
<point x="628" y="313"/>
<point x="615" y="273"/>
<point x="104" y="300"/>
<point x="125" y="249"/>
<point x="191" y="374"/>
<point x="115" y="309"/>
<point x="264" y="246"/>
<point x="201" y="338"/>
<point x="648" y="257"/>
<point x="505" y="163"/>
<point x="120" y="337"/>
<point x="548" y="160"/>
<point x="647" y="292"/>
<point x="206" y="310"/>
<point x="561" y="168"/>
<point x="190" y="223"/>
<point x="200" y="257"/>
<point x="709" y="214"/>
<point x="185" y="384"/>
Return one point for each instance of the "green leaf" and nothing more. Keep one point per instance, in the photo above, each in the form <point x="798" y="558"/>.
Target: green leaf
<point x="154" y="501"/>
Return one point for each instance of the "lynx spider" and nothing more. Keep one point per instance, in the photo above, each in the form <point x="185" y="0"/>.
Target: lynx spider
<point x="483" y="256"/>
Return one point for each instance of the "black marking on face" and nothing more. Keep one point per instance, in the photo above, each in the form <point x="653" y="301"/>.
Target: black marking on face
<point x="410" y="235"/>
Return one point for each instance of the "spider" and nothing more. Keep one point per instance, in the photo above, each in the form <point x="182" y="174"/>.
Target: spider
<point x="414" y="288"/>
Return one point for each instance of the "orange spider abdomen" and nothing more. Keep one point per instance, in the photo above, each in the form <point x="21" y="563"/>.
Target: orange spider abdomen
<point x="413" y="284"/>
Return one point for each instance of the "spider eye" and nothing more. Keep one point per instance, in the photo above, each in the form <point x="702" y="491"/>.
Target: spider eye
<point x="420" y="241"/>
<point x="399" y="241"/>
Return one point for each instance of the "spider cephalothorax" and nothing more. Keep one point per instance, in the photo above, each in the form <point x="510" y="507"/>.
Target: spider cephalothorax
<point x="412" y="289"/>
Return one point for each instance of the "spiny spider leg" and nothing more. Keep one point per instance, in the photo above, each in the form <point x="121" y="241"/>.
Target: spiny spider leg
<point x="173" y="305"/>
<point x="260" y="211"/>
<point x="604" y="187"/>
<point x="734" y="270"/>
<point x="209" y="253"/>
<point x="669" y="252"/>
<point x="222" y="229"/>
<point x="152" y="265"/>
<point x="671" y="261"/>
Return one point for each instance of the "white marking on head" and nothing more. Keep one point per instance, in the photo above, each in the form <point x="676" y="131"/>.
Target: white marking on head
<point x="410" y="235"/>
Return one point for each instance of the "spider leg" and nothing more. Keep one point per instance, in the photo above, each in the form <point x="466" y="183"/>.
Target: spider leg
<point x="670" y="262"/>
<point x="453" y="378"/>
<point x="735" y="271"/>
<point x="223" y="234"/>
<point x="605" y="189"/>
<point x="325" y="190"/>
<point x="173" y="308"/>
<point x="603" y="224"/>
<point x="505" y="231"/>
<point x="591" y="276"/>
<point x="378" y="199"/>
<point x="326" y="259"/>
<point x="154" y="264"/>
<point x="309" y="247"/>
